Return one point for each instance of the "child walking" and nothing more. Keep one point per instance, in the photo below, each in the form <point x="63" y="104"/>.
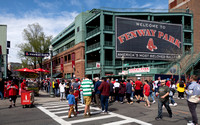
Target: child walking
<point x="71" y="102"/>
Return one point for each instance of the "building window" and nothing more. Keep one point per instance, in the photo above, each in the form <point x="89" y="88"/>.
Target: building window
<point x="65" y="59"/>
<point x="77" y="29"/>
<point x="69" y="57"/>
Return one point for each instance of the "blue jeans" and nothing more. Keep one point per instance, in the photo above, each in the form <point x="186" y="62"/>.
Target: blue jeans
<point x="104" y="102"/>
<point x="1" y="94"/>
<point x="172" y="100"/>
<point x="160" y="105"/>
<point x="121" y="97"/>
<point x="151" y="96"/>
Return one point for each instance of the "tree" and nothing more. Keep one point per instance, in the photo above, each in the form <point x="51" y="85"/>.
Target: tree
<point x="36" y="41"/>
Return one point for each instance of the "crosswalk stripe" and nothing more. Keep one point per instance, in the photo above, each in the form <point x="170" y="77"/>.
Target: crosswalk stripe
<point x="91" y="119"/>
<point x="92" y="113"/>
<point x="63" y="108"/>
<point x="79" y="109"/>
<point x="57" y="106"/>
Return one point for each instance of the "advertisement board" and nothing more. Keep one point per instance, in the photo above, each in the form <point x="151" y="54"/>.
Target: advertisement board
<point x="142" y="39"/>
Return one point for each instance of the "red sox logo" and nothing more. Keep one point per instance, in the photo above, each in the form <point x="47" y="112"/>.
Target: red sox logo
<point x="150" y="45"/>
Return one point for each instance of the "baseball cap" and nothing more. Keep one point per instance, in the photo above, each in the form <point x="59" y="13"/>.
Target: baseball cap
<point x="116" y="80"/>
<point x="76" y="80"/>
<point x="138" y="78"/>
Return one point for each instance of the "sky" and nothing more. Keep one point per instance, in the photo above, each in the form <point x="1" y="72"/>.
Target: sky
<point x="55" y="15"/>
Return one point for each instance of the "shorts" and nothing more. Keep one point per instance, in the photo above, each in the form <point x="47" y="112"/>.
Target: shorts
<point x="145" y="97"/>
<point x="138" y="92"/>
<point x="87" y="100"/>
<point x="11" y="98"/>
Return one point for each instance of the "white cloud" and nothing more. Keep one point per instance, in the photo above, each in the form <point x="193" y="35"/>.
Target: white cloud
<point x="15" y="25"/>
<point x="146" y="5"/>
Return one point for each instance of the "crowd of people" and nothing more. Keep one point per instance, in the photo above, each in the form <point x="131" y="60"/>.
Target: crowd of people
<point x="103" y="91"/>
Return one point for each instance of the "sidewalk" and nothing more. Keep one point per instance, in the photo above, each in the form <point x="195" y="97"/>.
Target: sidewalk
<point x="42" y="98"/>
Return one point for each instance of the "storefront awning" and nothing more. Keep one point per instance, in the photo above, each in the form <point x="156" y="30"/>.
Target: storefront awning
<point x="57" y="75"/>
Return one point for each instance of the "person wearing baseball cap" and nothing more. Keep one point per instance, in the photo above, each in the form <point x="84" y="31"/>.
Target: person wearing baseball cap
<point x="163" y="93"/>
<point x="23" y="85"/>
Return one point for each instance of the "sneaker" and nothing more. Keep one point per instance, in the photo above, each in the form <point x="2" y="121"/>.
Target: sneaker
<point x="14" y="105"/>
<point x="131" y="102"/>
<point x="85" y="116"/>
<point x="178" y="98"/>
<point x="88" y="114"/>
<point x="170" y="104"/>
<point x="154" y="102"/>
<point x="10" y="106"/>
<point x="102" y="112"/>
<point x="106" y="113"/>
<point x="69" y="116"/>
<point x="170" y="116"/>
<point x="190" y="123"/>
<point x="182" y="98"/>
<point x="122" y="102"/>
<point x="175" y="104"/>
<point x="158" y="118"/>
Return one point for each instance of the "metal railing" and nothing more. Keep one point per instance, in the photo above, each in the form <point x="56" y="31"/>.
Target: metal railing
<point x="187" y="40"/>
<point x="91" y="64"/>
<point x="187" y="27"/>
<point x="109" y="28"/>
<point x="93" y="46"/>
<point x="108" y="43"/>
<point x="108" y="63"/>
<point x="94" y="31"/>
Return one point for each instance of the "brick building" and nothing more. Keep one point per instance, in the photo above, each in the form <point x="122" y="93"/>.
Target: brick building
<point x="193" y="7"/>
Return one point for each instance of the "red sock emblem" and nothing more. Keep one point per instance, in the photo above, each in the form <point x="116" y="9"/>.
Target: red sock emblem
<point x="151" y="45"/>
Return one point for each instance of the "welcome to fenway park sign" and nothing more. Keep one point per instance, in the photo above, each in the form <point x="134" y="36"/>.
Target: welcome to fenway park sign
<point x="141" y="39"/>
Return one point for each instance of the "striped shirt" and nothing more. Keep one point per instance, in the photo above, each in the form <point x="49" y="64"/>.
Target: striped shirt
<point x="87" y="87"/>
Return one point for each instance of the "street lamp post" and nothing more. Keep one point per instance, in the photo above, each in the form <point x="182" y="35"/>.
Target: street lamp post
<point x="122" y="66"/>
<point x="51" y="54"/>
<point x="179" y="68"/>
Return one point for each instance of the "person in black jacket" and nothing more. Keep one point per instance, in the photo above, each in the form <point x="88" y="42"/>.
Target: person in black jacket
<point x="111" y="91"/>
<point x="122" y="90"/>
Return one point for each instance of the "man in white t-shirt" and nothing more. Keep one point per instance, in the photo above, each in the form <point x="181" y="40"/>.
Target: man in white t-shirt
<point x="62" y="90"/>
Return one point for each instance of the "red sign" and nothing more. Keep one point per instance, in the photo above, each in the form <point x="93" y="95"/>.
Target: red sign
<point x="73" y="60"/>
<point x="139" y="70"/>
<point x="97" y="65"/>
<point x="61" y="63"/>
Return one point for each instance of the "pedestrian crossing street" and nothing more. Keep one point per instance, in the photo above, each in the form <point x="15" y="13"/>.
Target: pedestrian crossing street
<point x="59" y="112"/>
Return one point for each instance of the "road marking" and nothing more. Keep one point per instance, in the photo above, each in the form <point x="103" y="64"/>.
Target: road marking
<point x="91" y="119"/>
<point x="95" y="112"/>
<point x="48" y="108"/>
<point x="53" y="116"/>
<point x="67" y="108"/>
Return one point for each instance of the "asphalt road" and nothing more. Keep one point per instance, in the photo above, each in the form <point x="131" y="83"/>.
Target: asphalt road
<point x="47" y="112"/>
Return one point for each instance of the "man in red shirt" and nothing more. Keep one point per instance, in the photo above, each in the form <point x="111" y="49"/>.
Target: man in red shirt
<point x="104" y="88"/>
<point x="12" y="88"/>
<point x="23" y="85"/>
<point x="138" y="90"/>
<point x="146" y="92"/>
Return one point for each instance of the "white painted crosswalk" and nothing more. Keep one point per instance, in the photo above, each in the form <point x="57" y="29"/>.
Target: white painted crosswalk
<point x="59" y="112"/>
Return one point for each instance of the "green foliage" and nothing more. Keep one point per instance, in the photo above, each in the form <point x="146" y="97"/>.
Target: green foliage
<point x="36" y="41"/>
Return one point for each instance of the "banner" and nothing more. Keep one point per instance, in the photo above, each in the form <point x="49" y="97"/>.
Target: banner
<point x="141" y="39"/>
<point x="73" y="60"/>
<point x="61" y="64"/>
<point x="35" y="54"/>
<point x="139" y="70"/>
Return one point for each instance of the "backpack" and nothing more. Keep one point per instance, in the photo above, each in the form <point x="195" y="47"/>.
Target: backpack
<point x="181" y="85"/>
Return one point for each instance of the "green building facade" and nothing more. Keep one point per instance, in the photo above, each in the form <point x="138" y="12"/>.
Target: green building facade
<point x="97" y="29"/>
